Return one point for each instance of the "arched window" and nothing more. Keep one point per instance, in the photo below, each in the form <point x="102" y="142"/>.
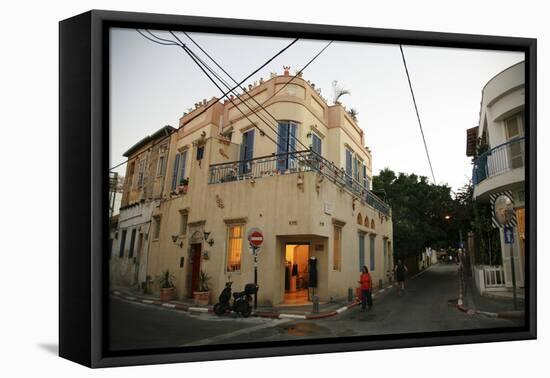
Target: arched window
<point x="372" y="223"/>
<point x="359" y="219"/>
<point x="366" y="221"/>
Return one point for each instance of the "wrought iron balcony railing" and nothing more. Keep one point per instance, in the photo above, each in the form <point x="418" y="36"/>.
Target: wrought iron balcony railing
<point x="294" y="162"/>
<point x="498" y="160"/>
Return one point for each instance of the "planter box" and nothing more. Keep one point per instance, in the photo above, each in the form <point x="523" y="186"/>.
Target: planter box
<point x="202" y="298"/>
<point x="167" y="294"/>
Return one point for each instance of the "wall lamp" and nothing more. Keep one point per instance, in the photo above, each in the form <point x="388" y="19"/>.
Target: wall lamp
<point x="175" y="241"/>
<point x="206" y="235"/>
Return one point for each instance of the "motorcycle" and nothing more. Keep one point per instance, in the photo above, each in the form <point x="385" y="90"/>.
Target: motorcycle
<point x="241" y="300"/>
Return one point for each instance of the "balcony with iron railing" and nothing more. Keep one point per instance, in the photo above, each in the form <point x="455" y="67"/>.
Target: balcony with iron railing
<point x="496" y="162"/>
<point x="294" y="162"/>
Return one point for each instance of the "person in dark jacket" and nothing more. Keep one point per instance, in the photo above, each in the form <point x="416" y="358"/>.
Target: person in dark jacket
<point x="366" y="289"/>
<point x="400" y="269"/>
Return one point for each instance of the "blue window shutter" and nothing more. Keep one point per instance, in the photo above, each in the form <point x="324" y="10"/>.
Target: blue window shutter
<point x="292" y="144"/>
<point x="371" y="253"/>
<point x="282" y="145"/>
<point x="175" y="172"/>
<point x="348" y="165"/>
<point x="183" y="162"/>
<point x="250" y="145"/>
<point x="247" y="151"/>
<point x="361" y="251"/>
<point x="365" y="180"/>
<point x="316" y="144"/>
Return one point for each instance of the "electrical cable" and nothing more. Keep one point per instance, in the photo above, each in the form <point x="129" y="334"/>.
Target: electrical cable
<point x="214" y="102"/>
<point x="417" y="114"/>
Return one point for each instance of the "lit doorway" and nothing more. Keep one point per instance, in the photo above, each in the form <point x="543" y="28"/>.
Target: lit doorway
<point x="296" y="273"/>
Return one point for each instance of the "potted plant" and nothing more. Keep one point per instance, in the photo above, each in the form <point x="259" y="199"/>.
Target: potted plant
<point x="185" y="185"/>
<point x="166" y="285"/>
<point x="202" y="296"/>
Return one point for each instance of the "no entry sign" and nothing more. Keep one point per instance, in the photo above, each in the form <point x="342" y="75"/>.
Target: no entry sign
<point x="255" y="237"/>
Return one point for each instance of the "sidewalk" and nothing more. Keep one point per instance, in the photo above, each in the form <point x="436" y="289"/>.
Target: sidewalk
<point x="304" y="312"/>
<point x="500" y="306"/>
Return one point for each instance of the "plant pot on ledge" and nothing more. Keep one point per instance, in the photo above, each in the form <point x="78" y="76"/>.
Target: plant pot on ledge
<point x="166" y="285"/>
<point x="202" y="296"/>
<point x="167" y="294"/>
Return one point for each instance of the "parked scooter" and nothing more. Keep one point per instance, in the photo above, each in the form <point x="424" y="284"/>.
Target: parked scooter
<point x="241" y="300"/>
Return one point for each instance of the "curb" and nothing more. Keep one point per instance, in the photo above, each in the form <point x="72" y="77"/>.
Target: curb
<point x="497" y="315"/>
<point x="263" y="314"/>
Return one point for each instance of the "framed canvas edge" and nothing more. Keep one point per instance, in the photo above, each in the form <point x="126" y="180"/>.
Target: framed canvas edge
<point x="99" y="184"/>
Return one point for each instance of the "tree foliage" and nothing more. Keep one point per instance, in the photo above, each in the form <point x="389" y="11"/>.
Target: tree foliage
<point x="419" y="211"/>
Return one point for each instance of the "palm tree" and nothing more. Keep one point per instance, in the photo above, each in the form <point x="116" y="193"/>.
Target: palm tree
<point x="339" y="91"/>
<point x="353" y="113"/>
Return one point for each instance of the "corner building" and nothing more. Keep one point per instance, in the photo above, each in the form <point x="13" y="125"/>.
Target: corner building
<point x="304" y="181"/>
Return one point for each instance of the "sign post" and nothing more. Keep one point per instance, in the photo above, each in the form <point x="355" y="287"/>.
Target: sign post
<point x="504" y="211"/>
<point x="255" y="239"/>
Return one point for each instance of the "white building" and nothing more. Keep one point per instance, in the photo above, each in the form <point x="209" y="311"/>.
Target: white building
<point x="498" y="148"/>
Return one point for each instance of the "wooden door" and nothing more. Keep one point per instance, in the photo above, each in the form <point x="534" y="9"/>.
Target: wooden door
<point x="195" y="267"/>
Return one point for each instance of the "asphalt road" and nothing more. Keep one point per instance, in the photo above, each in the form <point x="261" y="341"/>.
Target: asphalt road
<point x="423" y="308"/>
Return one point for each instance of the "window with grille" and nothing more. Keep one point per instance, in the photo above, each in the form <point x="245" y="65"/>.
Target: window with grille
<point x="183" y="222"/>
<point x="234" y="248"/>
<point x="156" y="227"/>
<point x="122" y="244"/>
<point x="337" y="248"/>
<point x="132" y="244"/>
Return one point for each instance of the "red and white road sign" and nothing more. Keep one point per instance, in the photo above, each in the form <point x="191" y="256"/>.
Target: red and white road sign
<point x="255" y="237"/>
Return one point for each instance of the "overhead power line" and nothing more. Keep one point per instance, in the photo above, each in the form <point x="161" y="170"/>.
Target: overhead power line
<point x="252" y="98"/>
<point x="167" y="43"/>
<point x="204" y="68"/>
<point x="417" y="114"/>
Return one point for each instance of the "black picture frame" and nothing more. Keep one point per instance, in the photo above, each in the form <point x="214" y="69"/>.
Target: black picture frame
<point x="83" y="197"/>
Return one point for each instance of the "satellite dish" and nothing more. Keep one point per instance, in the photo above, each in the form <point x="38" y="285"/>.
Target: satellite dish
<point x="504" y="210"/>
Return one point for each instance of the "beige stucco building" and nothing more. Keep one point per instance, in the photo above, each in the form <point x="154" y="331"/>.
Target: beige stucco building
<point x="284" y="162"/>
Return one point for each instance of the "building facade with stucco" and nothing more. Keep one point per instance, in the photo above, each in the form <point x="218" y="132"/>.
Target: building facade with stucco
<point x="280" y="159"/>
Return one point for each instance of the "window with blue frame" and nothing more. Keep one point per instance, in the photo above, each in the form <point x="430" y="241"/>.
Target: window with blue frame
<point x="316" y="144"/>
<point x="286" y="145"/>
<point x="175" y="172"/>
<point x="361" y="251"/>
<point x="183" y="163"/>
<point x="247" y="152"/>
<point x="348" y="165"/>
<point x="372" y="252"/>
<point x="178" y="172"/>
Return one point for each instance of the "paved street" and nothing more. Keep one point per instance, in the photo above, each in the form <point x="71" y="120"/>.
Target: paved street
<point x="424" y="308"/>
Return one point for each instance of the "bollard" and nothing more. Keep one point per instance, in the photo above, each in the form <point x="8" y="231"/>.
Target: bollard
<point x="315" y="301"/>
<point x="350" y="294"/>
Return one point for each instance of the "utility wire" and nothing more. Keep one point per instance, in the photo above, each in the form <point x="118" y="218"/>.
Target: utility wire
<point x="204" y="67"/>
<point x="248" y="94"/>
<point x="417" y="114"/>
<point x="172" y="43"/>
<point x="277" y="143"/>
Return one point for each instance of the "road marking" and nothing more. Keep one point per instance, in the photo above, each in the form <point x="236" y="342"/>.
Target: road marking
<point x="341" y="309"/>
<point x="217" y="339"/>
<point x="198" y="309"/>
<point x="169" y="305"/>
<point x="148" y="301"/>
<point x="291" y="316"/>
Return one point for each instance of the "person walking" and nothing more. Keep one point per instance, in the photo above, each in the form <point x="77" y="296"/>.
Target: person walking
<point x="400" y="269"/>
<point x="366" y="286"/>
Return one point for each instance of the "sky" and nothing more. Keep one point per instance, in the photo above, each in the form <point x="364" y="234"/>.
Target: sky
<point x="153" y="85"/>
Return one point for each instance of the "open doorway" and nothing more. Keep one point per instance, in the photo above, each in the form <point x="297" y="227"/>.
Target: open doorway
<point x="296" y="273"/>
